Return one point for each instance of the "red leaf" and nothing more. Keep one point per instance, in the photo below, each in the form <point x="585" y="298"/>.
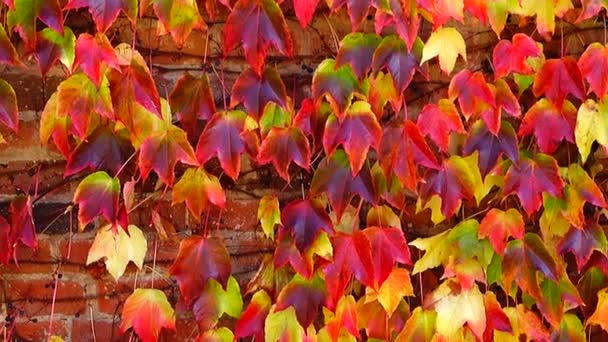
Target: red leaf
<point x="311" y="119"/>
<point x="438" y="121"/>
<point x="286" y="252"/>
<point x="530" y="178"/>
<point x="491" y="146"/>
<point x="93" y="53"/>
<point x="393" y="54"/>
<point x="103" y="150"/>
<point x="147" y="311"/>
<point x="472" y="91"/>
<point x="304" y="10"/>
<point x="549" y="124"/>
<point x="442" y="10"/>
<point x="496" y="317"/>
<point x="257" y="24"/>
<point x="197" y="188"/>
<point x="51" y="47"/>
<point x="357" y="49"/>
<point x="582" y="242"/>
<point x="305" y="296"/>
<point x="388" y="247"/>
<point x="105" y="12"/>
<point x="191" y="99"/>
<point x="252" y="320"/>
<point x="6" y="243"/>
<point x="557" y="78"/>
<point x="198" y="260"/>
<point x="304" y="219"/>
<point x="23" y="228"/>
<point x="338" y="85"/>
<point x="255" y="91"/>
<point x="282" y="146"/>
<point x="8" y="54"/>
<point x="9" y="112"/>
<point x="498" y="225"/>
<point x="97" y="194"/>
<point x="357" y="10"/>
<point x="478" y="8"/>
<point x="334" y="178"/>
<point x="223" y="138"/>
<point x="357" y="131"/>
<point x="593" y="64"/>
<point x="591" y="8"/>
<point x="23" y="14"/>
<point x="402" y="15"/>
<point x="505" y="98"/>
<point x="511" y="57"/>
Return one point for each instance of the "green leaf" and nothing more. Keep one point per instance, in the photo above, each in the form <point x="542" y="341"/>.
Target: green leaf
<point x="214" y="302"/>
<point x="97" y="194"/>
<point x="283" y="326"/>
<point x="419" y="327"/>
<point x="338" y="85"/>
<point x="269" y="214"/>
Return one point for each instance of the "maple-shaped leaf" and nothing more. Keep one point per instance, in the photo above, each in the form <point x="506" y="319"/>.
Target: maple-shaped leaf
<point x="22" y="227"/>
<point x="162" y="151"/>
<point x="471" y="90"/>
<point x="491" y="146"/>
<point x="591" y="125"/>
<point x="103" y="150"/>
<point x="179" y="18"/>
<point x="305" y="219"/>
<point x="8" y="53"/>
<point x="402" y="16"/>
<point x="303" y="262"/>
<point x="591" y="9"/>
<point x="257" y="25"/>
<point x="198" y="260"/>
<point x="356" y="132"/>
<point x="443" y="10"/>
<point x="334" y="178"/>
<point x="215" y="301"/>
<point x="192" y="99"/>
<point x="381" y="91"/>
<point x="549" y="124"/>
<point x="571" y="329"/>
<point x="582" y="243"/>
<point x="52" y="46"/>
<point x="283" y="326"/>
<point x="338" y="85"/>
<point x="304" y="10"/>
<point x="505" y="99"/>
<point x="256" y="89"/>
<point x="496" y="317"/>
<point x="305" y="296"/>
<point x="446" y="43"/>
<point x="105" y="12"/>
<point x="198" y="188"/>
<point x="523" y="259"/>
<point x="545" y="12"/>
<point x="498" y="12"/>
<point x="79" y="99"/>
<point x="97" y="194"/>
<point x="419" y="327"/>
<point x="393" y="55"/>
<point x="458" y="178"/>
<point x="9" y="113"/>
<point x="581" y="189"/>
<point x="357" y="49"/>
<point x="276" y="116"/>
<point x="557" y="78"/>
<point x="147" y="311"/>
<point x="530" y="178"/>
<point x="282" y="146"/>
<point x="93" y="54"/>
<point x="343" y="321"/>
<point x="498" y="225"/>
<point x="57" y="127"/>
<point x="269" y="214"/>
<point x="599" y="315"/>
<point x="357" y="10"/>
<point x="387" y="246"/>
<point x="251" y="322"/>
<point x="593" y="65"/>
<point x="223" y="138"/>
<point x="512" y="56"/>
<point x="393" y="289"/>
<point x="22" y="15"/>
<point x="437" y="121"/>
<point x="118" y="247"/>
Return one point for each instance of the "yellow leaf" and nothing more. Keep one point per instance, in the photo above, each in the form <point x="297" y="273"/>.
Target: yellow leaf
<point x="446" y="43"/>
<point x="600" y="316"/>
<point x="591" y="125"/>
<point x="392" y="291"/>
<point x="455" y="309"/>
<point x="269" y="214"/>
<point x="118" y="249"/>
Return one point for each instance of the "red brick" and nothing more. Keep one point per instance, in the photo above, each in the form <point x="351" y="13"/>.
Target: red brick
<point x="35" y="296"/>
<point x="186" y="330"/>
<point x="106" y="331"/>
<point x="166" y="252"/>
<point x="79" y="250"/>
<point x="41" y="254"/>
<point x="240" y="214"/>
<point x="39" y="330"/>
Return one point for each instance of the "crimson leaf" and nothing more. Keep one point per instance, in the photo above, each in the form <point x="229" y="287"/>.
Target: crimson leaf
<point x="549" y="124"/>
<point x="283" y="145"/>
<point x="357" y="49"/>
<point x="105" y="12"/>
<point x="304" y="219"/>
<point x="306" y="296"/>
<point x="512" y="56"/>
<point x="557" y="78"/>
<point x="192" y="99"/>
<point x="438" y="121"/>
<point x="255" y="91"/>
<point x="392" y="54"/>
<point x="93" y="53"/>
<point x="97" y="194"/>
<point x="491" y="146"/>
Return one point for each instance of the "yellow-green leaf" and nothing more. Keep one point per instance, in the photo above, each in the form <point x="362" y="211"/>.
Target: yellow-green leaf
<point x="269" y="214"/>
<point x="591" y="125"/>
<point x="446" y="43"/>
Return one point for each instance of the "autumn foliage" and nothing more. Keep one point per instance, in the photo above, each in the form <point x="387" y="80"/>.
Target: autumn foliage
<point x="507" y="164"/>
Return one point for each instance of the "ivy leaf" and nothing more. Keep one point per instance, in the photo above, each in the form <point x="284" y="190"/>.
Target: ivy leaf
<point x="549" y="124"/>
<point x="472" y="91"/>
<point x="382" y="90"/>
<point x="305" y="219"/>
<point x="357" y="49"/>
<point x="593" y="64"/>
<point x="402" y="16"/>
<point x="214" y="302"/>
<point x="93" y="53"/>
<point x="22" y="15"/>
<point x="9" y="112"/>
<point x="591" y="9"/>
<point x="512" y="56"/>
<point x="198" y="260"/>
<point x="97" y="194"/>
<point x="255" y="90"/>
<point x="302" y="262"/>
<point x="505" y="99"/>
<point x="388" y="246"/>
<point x="334" y="178"/>
<point x="257" y="24"/>
<point x="147" y="311"/>
<point x="6" y="243"/>
<point x="283" y="326"/>
<point x="491" y="146"/>
<point x="582" y="242"/>
<point x="161" y="152"/>
<point x="179" y="18"/>
<point x="357" y="131"/>
<point x="338" y="85"/>
<point x="52" y="46"/>
<point x="269" y="214"/>
<point x="22" y="227"/>
<point x="441" y="10"/>
<point x="446" y="43"/>
<point x="392" y="54"/>
<point x="419" y="327"/>
<point x="304" y="12"/>
<point x="581" y="189"/>
<point x="305" y="296"/>
<point x="252" y="320"/>
<point x="437" y="121"/>
<point x="522" y="259"/>
<point x="357" y="10"/>
<point x="344" y="319"/>
<point x="571" y="329"/>
<point x="223" y="138"/>
<point x="393" y="289"/>
<point x="496" y="317"/>
<point x="599" y="315"/>
<point x="118" y="247"/>
<point x="498" y="11"/>
<point x="282" y="146"/>
<point x="198" y="188"/>
<point x="591" y="125"/>
<point x="498" y="225"/>
<point x="105" y="12"/>
<point x="530" y="178"/>
<point x="191" y="99"/>
<point x="103" y="150"/>
<point x="545" y="12"/>
<point x="8" y="53"/>
<point x="54" y="126"/>
<point x="557" y="78"/>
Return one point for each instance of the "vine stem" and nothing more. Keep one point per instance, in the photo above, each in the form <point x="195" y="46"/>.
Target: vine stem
<point x="154" y="260"/>
<point x="92" y="324"/>
<point x="53" y="303"/>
